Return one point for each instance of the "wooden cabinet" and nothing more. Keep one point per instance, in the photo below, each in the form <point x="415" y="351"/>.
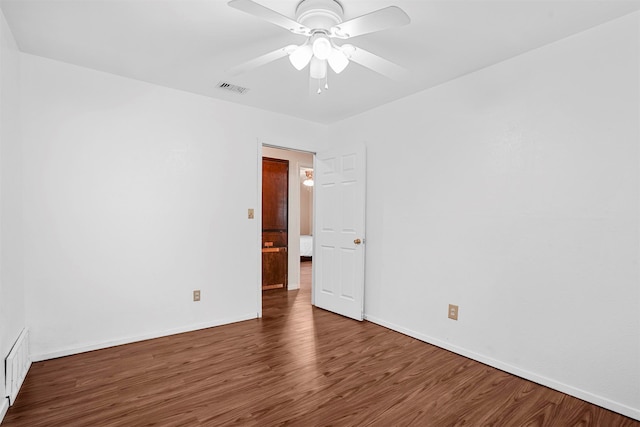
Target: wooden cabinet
<point x="275" y="218"/>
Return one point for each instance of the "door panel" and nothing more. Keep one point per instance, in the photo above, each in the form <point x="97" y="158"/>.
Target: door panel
<point x="275" y="194"/>
<point x="275" y="210"/>
<point x="340" y="220"/>
<point x="274" y="268"/>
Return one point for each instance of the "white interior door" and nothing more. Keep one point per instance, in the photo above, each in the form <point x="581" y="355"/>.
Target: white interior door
<point x="339" y="231"/>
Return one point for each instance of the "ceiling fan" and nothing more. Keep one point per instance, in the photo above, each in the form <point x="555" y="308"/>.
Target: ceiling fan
<point x="321" y="21"/>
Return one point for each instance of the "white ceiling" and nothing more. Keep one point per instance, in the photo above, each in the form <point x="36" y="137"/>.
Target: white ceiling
<point x="188" y="44"/>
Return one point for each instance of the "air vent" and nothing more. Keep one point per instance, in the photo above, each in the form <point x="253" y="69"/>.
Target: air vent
<point x="233" y="88"/>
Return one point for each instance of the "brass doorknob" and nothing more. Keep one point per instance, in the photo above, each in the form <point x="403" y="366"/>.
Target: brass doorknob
<point x="357" y="241"/>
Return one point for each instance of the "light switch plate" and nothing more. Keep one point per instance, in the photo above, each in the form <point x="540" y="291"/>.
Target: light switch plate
<point x="196" y="295"/>
<point x="250" y="214"/>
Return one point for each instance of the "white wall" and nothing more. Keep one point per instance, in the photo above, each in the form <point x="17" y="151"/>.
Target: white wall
<point x="134" y="196"/>
<point x="514" y="193"/>
<point x="12" y="305"/>
<point x="296" y="160"/>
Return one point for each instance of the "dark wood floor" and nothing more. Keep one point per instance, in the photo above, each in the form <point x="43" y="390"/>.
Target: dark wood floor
<point x="298" y="365"/>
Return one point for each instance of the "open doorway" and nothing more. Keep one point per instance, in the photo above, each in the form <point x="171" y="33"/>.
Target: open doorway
<point x="299" y="216"/>
<point x="338" y="233"/>
<point x="306" y="226"/>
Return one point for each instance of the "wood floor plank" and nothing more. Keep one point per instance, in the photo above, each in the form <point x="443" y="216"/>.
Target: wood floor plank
<point x="299" y="366"/>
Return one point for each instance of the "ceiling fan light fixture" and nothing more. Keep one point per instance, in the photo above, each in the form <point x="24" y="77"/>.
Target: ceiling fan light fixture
<point x="321" y="21"/>
<point x="318" y="68"/>
<point x="322" y="48"/>
<point x="309" y="179"/>
<point x="338" y="61"/>
<point x="300" y="57"/>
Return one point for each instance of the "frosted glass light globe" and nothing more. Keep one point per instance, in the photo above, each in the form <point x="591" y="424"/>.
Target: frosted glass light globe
<point x="322" y="48"/>
<point x="300" y="57"/>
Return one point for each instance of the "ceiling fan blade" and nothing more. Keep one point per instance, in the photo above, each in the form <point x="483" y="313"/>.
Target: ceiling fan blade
<point x="270" y="15"/>
<point x="382" y="19"/>
<point x="376" y="63"/>
<point x="261" y="60"/>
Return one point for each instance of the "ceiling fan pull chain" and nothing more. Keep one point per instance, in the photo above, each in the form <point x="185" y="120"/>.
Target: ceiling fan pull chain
<point x="319" y="90"/>
<point x="326" y="81"/>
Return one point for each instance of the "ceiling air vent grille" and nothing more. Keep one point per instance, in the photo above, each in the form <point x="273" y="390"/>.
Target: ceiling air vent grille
<point x="233" y="88"/>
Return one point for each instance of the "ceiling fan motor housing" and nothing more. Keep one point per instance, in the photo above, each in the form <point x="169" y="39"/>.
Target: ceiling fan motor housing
<point x="319" y="14"/>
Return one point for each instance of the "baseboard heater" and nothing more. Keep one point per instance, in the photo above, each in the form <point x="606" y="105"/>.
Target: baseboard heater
<point x="16" y="366"/>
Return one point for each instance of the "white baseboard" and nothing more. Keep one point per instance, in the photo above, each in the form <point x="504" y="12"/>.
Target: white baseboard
<point x="547" y="382"/>
<point x="112" y="343"/>
<point x="4" y="407"/>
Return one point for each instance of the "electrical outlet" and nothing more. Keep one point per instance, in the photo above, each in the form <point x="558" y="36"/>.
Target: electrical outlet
<point x="453" y="312"/>
<point x="250" y="214"/>
<point x="196" y="295"/>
